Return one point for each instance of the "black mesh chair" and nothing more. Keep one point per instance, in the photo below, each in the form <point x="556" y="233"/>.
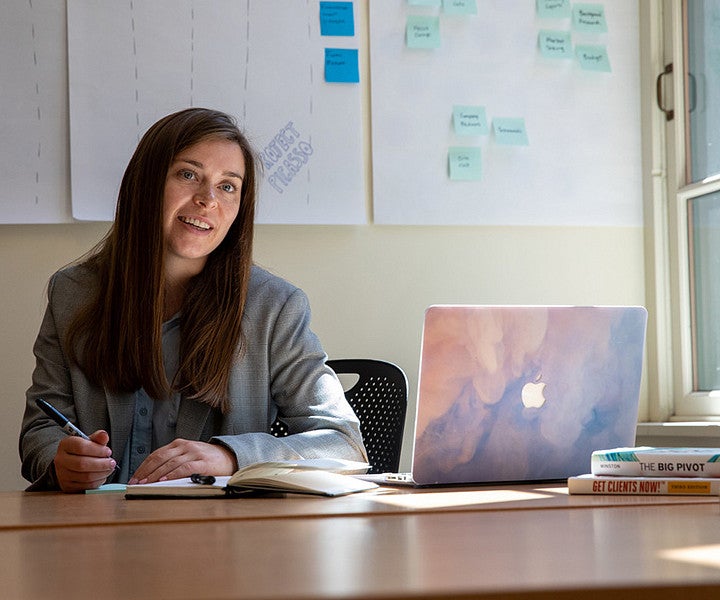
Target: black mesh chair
<point x="379" y="399"/>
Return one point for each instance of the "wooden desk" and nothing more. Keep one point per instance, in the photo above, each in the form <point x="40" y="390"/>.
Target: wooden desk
<point x="638" y="550"/>
<point x="23" y="510"/>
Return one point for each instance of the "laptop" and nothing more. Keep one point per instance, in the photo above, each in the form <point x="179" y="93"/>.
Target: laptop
<point x="523" y="393"/>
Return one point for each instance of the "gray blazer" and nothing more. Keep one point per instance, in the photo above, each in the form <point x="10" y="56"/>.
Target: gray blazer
<point x="282" y="373"/>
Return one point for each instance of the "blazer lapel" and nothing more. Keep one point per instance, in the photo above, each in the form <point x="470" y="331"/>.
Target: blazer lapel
<point x="192" y="417"/>
<point x="120" y="410"/>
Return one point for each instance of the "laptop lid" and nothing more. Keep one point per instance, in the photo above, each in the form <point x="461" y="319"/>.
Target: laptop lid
<point x="524" y="393"/>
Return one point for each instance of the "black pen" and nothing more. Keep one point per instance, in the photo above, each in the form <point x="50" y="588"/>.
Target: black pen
<point x="62" y="420"/>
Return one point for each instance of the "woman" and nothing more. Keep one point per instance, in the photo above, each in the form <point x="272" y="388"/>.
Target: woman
<point x="166" y="341"/>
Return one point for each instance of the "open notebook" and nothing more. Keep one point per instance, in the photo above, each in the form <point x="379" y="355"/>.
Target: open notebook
<point x="523" y="393"/>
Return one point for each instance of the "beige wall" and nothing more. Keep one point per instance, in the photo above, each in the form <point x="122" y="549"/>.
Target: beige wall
<point x="368" y="285"/>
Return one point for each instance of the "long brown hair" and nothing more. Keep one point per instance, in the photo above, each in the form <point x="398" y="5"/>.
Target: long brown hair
<point x="116" y="338"/>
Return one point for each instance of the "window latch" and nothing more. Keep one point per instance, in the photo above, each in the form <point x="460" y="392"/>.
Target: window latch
<point x="669" y="112"/>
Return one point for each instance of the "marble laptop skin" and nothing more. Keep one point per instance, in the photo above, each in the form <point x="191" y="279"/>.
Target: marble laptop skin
<point x="524" y="393"/>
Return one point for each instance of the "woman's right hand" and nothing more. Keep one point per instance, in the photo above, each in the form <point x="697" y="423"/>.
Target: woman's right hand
<point x="81" y="464"/>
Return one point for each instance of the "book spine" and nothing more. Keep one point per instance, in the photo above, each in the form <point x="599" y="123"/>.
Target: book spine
<point x="649" y="486"/>
<point x="670" y="464"/>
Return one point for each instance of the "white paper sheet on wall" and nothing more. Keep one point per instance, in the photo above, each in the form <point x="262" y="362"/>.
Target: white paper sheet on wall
<point x="34" y="123"/>
<point x="263" y="62"/>
<point x="562" y="146"/>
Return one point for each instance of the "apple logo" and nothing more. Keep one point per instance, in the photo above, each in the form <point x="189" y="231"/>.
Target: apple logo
<point x="533" y="394"/>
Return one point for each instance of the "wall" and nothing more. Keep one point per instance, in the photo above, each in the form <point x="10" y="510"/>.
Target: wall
<point x="368" y="285"/>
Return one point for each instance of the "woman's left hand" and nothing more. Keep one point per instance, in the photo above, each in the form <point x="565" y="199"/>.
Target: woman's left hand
<point x="182" y="458"/>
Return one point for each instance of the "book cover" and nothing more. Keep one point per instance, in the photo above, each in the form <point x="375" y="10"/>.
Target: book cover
<point x="645" y="461"/>
<point x="324" y="477"/>
<point x="658" y="486"/>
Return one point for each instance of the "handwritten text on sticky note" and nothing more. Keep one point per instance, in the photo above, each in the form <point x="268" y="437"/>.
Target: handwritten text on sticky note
<point x="336" y="18"/>
<point x="510" y="131"/>
<point x="593" y="58"/>
<point x="470" y="120"/>
<point x="341" y="65"/>
<point x="555" y="44"/>
<point x="422" y="31"/>
<point x="589" y="18"/>
<point x="464" y="163"/>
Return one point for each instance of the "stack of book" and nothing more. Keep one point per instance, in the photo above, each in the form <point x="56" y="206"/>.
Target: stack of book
<point x="647" y="470"/>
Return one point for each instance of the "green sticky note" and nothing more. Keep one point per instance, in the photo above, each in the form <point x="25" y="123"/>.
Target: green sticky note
<point x="510" y="132"/>
<point x="553" y="9"/>
<point x="593" y="58"/>
<point x="423" y="2"/>
<point x="555" y="44"/>
<point x="464" y="164"/>
<point x="589" y="18"/>
<point x="108" y="488"/>
<point x="422" y="32"/>
<point x="470" y="120"/>
<point x="459" y="7"/>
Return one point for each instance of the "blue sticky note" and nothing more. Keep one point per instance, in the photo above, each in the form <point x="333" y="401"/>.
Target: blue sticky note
<point x="341" y="65"/>
<point x="553" y="9"/>
<point x="589" y="18"/>
<point x="422" y="32"/>
<point x="336" y="18"/>
<point x="510" y="132"/>
<point x="464" y="164"/>
<point x="593" y="58"/>
<point x="555" y="44"/>
<point x="459" y="7"/>
<point x="470" y="120"/>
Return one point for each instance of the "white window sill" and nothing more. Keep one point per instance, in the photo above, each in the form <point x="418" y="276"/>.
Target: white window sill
<point x="680" y="433"/>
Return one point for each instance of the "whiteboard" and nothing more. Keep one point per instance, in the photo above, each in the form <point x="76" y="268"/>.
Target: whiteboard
<point x="261" y="61"/>
<point x="34" y="124"/>
<point x="582" y="162"/>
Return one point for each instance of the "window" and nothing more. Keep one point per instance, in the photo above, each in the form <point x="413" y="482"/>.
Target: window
<point x="683" y="212"/>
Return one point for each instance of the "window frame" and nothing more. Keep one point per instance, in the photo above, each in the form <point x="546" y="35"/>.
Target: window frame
<point x="667" y="238"/>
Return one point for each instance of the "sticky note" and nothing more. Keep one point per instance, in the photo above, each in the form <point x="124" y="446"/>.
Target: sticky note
<point x="510" y="132"/>
<point x="555" y="44"/>
<point x="336" y="18"/>
<point x="424" y="2"/>
<point x="464" y="163"/>
<point x="553" y="9"/>
<point x="593" y="58"/>
<point x="108" y="488"/>
<point x="470" y="120"/>
<point x="422" y="32"/>
<point x="341" y="65"/>
<point x="589" y="18"/>
<point x="459" y="7"/>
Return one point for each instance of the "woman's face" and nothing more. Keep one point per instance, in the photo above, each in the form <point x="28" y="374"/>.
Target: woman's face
<point x="200" y="203"/>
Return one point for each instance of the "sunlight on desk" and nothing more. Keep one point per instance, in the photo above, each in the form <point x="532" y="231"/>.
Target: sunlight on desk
<point x="706" y="556"/>
<point x="456" y="498"/>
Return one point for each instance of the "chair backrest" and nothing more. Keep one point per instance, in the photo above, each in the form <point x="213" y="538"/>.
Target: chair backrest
<point x="379" y="399"/>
